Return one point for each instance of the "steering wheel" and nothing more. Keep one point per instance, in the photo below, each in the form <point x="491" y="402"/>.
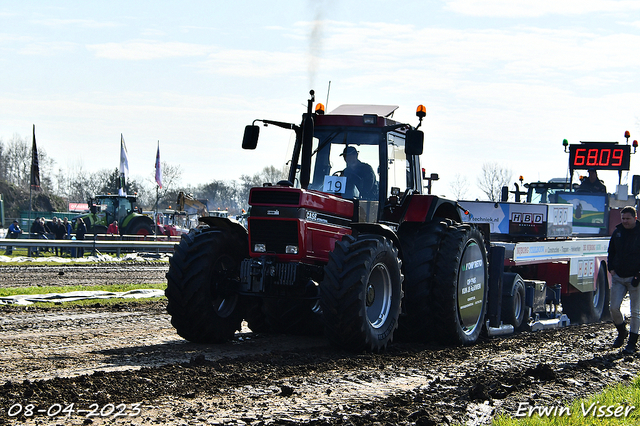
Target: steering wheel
<point x="339" y="173"/>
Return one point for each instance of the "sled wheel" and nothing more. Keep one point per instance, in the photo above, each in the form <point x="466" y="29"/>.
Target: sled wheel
<point x="514" y="309"/>
<point x="590" y="306"/>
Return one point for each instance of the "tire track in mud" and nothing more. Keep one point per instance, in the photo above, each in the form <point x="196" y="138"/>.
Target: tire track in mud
<point x="88" y="275"/>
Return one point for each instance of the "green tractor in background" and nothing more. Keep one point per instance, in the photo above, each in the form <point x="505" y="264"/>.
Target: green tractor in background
<point x="104" y="209"/>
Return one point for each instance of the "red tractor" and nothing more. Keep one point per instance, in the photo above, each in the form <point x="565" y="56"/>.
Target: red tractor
<point x="350" y="246"/>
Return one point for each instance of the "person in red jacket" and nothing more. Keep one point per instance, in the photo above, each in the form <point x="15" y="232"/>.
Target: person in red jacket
<point x="113" y="228"/>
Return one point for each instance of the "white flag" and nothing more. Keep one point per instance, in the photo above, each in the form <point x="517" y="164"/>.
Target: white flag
<point x="124" y="167"/>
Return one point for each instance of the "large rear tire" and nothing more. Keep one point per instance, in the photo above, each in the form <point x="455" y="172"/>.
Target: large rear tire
<point x="420" y="248"/>
<point x="202" y="299"/>
<point x="460" y="286"/>
<point x="361" y="293"/>
<point x="590" y="306"/>
<point x="140" y="228"/>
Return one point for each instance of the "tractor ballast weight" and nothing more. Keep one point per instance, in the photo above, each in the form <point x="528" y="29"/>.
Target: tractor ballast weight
<point x="349" y="244"/>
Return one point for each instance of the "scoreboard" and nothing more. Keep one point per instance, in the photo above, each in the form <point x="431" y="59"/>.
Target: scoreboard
<point x="599" y="156"/>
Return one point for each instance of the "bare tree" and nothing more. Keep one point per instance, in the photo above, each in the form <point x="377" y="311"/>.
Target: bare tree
<point x="459" y="186"/>
<point x="492" y="179"/>
<point x="171" y="176"/>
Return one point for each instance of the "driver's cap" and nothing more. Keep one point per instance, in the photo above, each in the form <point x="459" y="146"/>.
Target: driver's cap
<point x="349" y="151"/>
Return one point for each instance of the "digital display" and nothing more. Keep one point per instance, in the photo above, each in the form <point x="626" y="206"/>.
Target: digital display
<point x="600" y="156"/>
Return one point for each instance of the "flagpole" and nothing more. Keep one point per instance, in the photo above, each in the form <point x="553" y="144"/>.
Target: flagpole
<point x="157" y="199"/>
<point x="31" y="183"/>
<point x="158" y="185"/>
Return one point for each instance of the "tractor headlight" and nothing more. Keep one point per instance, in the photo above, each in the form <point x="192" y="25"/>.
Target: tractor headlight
<point x="260" y="248"/>
<point x="291" y="249"/>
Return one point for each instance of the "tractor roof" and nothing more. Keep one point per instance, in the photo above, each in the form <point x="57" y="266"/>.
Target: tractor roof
<point x="357" y="109"/>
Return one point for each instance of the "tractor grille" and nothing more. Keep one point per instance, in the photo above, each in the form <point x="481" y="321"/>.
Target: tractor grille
<point x="275" y="234"/>
<point x="271" y="197"/>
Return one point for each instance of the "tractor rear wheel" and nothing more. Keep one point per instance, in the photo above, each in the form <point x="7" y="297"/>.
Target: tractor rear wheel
<point x="140" y="228"/>
<point x="590" y="306"/>
<point x="420" y="248"/>
<point x="361" y="293"/>
<point x="203" y="301"/>
<point x="460" y="286"/>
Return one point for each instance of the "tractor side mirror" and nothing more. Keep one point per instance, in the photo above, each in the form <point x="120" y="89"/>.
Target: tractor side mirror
<point x="635" y="185"/>
<point x="504" y="194"/>
<point x="250" y="139"/>
<point x="414" y="142"/>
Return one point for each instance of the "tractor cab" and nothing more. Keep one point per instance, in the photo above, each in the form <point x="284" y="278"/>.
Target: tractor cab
<point x="113" y="207"/>
<point x="357" y="153"/>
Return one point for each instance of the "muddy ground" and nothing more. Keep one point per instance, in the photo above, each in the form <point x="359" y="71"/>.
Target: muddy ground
<point x="126" y="365"/>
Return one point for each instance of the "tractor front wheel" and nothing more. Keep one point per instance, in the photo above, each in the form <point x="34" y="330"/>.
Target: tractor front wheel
<point x="201" y="290"/>
<point x="361" y="293"/>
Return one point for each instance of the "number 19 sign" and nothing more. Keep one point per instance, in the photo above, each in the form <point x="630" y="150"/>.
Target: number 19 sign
<point x="601" y="156"/>
<point x="335" y="184"/>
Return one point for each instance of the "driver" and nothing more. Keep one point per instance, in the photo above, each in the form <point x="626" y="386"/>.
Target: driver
<point x="359" y="174"/>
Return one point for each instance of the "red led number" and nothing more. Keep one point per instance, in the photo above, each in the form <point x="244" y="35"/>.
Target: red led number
<point x="598" y="157"/>
<point x="617" y="157"/>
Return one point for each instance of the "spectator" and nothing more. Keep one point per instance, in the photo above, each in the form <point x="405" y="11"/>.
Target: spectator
<point x="37" y="231"/>
<point x="60" y="232"/>
<point x="113" y="228"/>
<point x="81" y="229"/>
<point x="67" y="229"/>
<point x="13" y="232"/>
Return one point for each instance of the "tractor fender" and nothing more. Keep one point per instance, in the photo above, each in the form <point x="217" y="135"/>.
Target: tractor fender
<point x="377" y="229"/>
<point x="224" y="223"/>
<point x="424" y="208"/>
<point x="133" y="218"/>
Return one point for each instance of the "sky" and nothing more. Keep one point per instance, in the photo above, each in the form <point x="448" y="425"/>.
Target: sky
<point x="503" y="81"/>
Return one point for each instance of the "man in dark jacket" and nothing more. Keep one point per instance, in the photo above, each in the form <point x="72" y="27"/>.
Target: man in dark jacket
<point x="81" y="229"/>
<point x="624" y="265"/>
<point x="592" y="183"/>
<point x="359" y="174"/>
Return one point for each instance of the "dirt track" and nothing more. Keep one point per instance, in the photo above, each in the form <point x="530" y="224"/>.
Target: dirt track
<point x="129" y="354"/>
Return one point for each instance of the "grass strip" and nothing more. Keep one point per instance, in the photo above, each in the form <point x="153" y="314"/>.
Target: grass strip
<point x="616" y="405"/>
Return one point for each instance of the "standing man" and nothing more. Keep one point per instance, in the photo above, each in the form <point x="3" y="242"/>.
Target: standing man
<point x="81" y="229"/>
<point x="67" y="235"/>
<point x="13" y="232"/>
<point x="624" y="265"/>
<point x="60" y="231"/>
